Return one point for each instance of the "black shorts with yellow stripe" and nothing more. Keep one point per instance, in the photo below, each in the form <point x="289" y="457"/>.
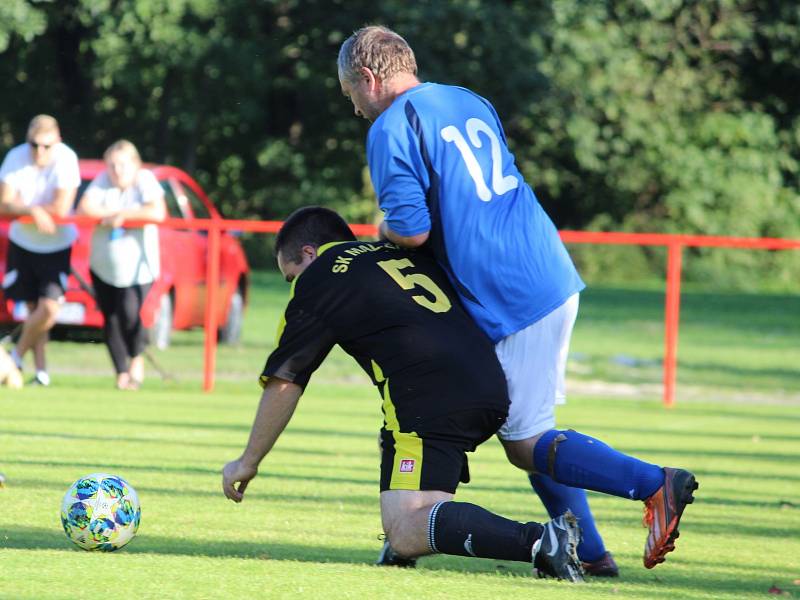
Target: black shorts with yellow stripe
<point x="434" y="456"/>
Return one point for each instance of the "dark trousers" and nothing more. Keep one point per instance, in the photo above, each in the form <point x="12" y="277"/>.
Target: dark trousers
<point x="126" y="337"/>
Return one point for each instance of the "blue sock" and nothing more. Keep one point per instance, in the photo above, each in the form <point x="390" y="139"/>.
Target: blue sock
<point x="557" y="498"/>
<point x="578" y="460"/>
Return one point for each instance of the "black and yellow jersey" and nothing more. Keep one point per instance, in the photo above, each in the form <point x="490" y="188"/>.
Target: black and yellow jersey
<point x="396" y="313"/>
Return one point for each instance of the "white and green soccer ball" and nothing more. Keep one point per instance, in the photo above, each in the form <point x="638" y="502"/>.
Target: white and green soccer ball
<point x="100" y="512"/>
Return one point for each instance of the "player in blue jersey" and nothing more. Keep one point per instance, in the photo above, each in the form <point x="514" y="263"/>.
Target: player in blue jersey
<point x="446" y="181"/>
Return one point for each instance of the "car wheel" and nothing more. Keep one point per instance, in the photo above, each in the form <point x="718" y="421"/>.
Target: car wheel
<point x="162" y="325"/>
<point x="231" y="332"/>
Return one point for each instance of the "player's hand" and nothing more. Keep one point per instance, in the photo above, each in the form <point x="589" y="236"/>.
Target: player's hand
<point x="43" y="221"/>
<point x="114" y="221"/>
<point x="236" y="472"/>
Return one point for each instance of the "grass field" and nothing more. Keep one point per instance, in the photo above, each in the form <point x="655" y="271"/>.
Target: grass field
<point x="310" y="522"/>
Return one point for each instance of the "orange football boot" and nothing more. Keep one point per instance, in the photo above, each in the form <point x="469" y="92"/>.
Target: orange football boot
<point x="662" y="513"/>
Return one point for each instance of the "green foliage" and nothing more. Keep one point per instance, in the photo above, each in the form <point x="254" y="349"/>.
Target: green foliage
<point x="652" y="126"/>
<point x="637" y="116"/>
<point x="20" y="18"/>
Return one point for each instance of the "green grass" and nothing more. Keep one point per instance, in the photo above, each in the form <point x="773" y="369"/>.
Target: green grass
<point x="727" y="343"/>
<point x="309" y="524"/>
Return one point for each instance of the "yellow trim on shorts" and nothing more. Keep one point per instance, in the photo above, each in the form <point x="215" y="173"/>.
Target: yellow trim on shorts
<point x="407" y="447"/>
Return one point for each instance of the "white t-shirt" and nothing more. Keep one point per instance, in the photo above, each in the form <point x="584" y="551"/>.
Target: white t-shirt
<point x="125" y="257"/>
<point x="37" y="186"/>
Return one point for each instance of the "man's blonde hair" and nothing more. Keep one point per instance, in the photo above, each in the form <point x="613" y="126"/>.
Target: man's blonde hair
<point x="43" y="124"/>
<point x="378" y="48"/>
<point x="123" y="146"/>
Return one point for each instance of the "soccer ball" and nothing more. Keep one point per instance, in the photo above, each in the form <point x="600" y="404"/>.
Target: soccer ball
<point x="100" y="512"/>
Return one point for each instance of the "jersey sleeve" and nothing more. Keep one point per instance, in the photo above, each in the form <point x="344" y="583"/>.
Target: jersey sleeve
<point x="303" y="344"/>
<point x="98" y="184"/>
<point x="150" y="188"/>
<point x="6" y="169"/>
<point x="67" y="172"/>
<point x="12" y="167"/>
<point x="400" y="177"/>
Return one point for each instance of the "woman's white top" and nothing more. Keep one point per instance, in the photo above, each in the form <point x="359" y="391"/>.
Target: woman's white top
<point x="123" y="257"/>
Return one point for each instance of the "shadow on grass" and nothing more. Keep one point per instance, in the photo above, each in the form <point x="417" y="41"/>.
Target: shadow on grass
<point x="788" y="377"/>
<point x="235" y="427"/>
<point x="733" y="436"/>
<point x="777" y="413"/>
<point x="735" y="455"/>
<point x="117" y="439"/>
<point x="514" y="486"/>
<point x="765" y="475"/>
<point x="37" y="538"/>
<point x="719" y="579"/>
<point x="358" y="501"/>
<point x="114" y="439"/>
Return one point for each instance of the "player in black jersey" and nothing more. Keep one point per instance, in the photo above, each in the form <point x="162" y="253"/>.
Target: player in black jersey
<point x="443" y="390"/>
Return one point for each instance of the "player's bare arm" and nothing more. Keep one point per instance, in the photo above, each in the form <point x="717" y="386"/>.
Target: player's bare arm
<point x="11" y="204"/>
<point x="152" y="210"/>
<point x="276" y="408"/>
<point x="91" y="205"/>
<point x="59" y="206"/>
<point x="410" y="241"/>
<point x="61" y="203"/>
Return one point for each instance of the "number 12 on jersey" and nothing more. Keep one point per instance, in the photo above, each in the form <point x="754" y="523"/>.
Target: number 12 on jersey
<point x="440" y="303"/>
<point x="474" y="127"/>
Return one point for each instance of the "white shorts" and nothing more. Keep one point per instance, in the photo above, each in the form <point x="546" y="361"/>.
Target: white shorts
<point x="535" y="361"/>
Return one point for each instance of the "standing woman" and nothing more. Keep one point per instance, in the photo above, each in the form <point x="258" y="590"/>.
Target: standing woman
<point x="124" y="262"/>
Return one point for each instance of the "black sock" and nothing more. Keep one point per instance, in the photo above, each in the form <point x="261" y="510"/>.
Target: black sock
<point x="468" y="530"/>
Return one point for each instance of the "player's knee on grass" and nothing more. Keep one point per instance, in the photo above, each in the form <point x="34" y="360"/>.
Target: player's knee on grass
<point x="405" y="519"/>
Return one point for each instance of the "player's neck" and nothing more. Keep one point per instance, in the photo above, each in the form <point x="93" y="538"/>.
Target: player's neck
<point x="399" y="84"/>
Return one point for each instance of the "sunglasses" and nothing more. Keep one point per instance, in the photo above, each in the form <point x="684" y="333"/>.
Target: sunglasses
<point x="36" y="146"/>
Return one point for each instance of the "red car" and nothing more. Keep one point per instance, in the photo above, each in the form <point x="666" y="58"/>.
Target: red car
<point x="177" y="299"/>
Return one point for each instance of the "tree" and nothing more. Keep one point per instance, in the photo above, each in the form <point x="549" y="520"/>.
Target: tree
<point x="641" y="115"/>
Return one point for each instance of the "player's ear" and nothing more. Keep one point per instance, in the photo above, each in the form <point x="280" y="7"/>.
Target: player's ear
<point x="308" y="252"/>
<point x="369" y="78"/>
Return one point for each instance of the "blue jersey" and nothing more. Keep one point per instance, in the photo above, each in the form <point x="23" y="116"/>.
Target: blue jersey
<point x="439" y="162"/>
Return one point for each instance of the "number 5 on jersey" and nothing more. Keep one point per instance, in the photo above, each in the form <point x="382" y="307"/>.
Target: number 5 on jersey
<point x="441" y="302"/>
<point x="500" y="184"/>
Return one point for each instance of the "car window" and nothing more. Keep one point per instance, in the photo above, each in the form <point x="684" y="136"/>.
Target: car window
<point x="172" y="201"/>
<point x="81" y="189"/>
<point x="198" y="207"/>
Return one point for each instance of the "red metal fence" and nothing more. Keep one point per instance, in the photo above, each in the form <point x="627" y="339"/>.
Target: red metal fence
<point x="673" y="242"/>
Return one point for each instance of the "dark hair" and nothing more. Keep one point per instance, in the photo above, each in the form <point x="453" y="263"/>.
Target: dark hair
<point x="310" y="226"/>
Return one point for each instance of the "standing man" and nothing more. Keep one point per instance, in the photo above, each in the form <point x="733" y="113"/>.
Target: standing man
<point x="38" y="178"/>
<point x="445" y="177"/>
<point x="443" y="390"/>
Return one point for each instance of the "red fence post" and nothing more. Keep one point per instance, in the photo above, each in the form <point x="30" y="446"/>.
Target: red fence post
<point x="212" y="310"/>
<point x="671" y="318"/>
